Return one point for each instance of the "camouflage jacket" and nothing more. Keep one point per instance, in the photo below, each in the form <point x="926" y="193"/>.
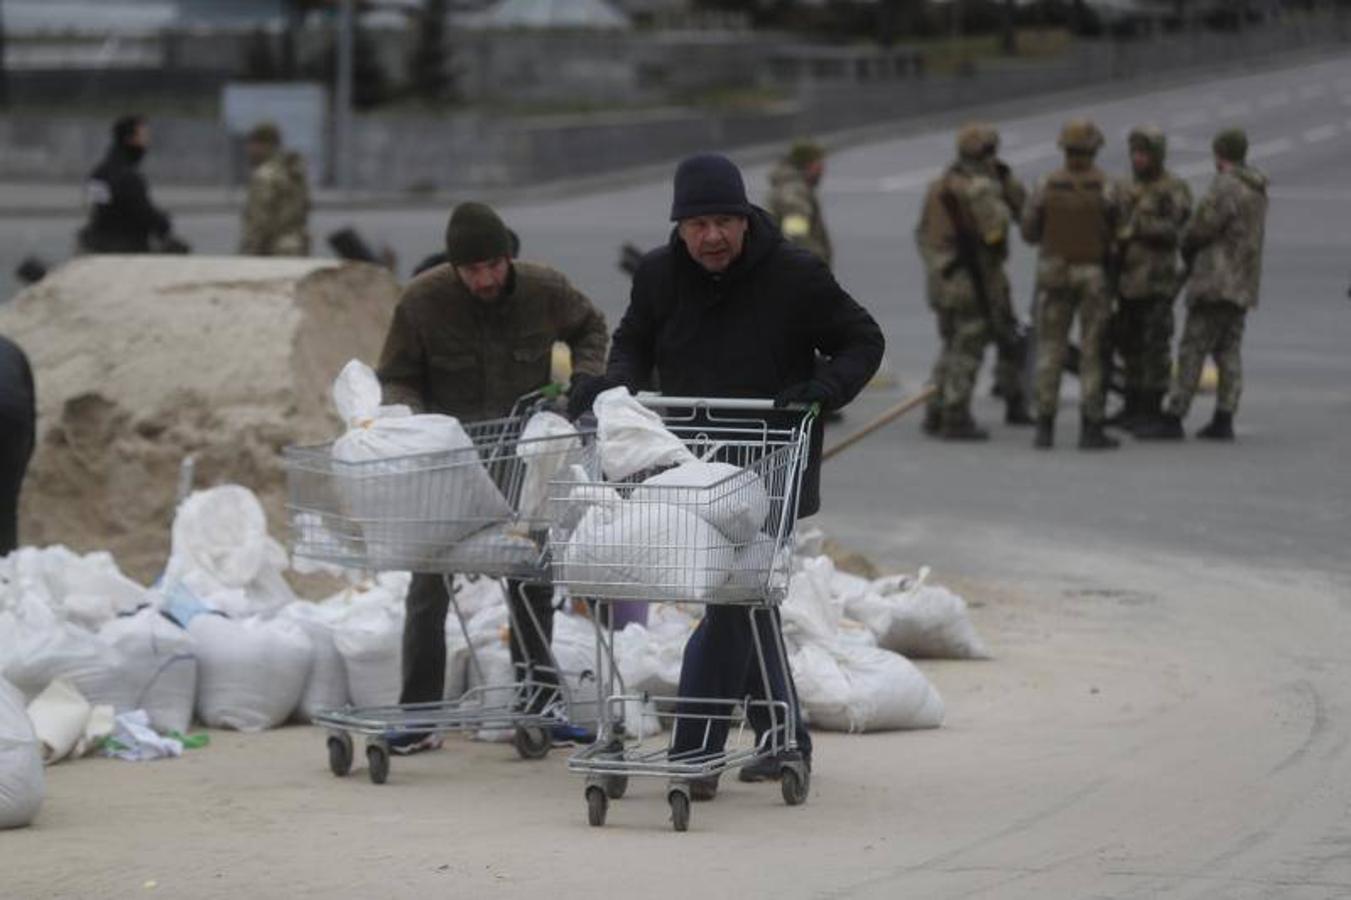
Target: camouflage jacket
<point x="277" y="209"/>
<point x="1223" y="242"/>
<point x="983" y="204"/>
<point x="449" y="352"/>
<point x="797" y="211"/>
<point x="1154" y="214"/>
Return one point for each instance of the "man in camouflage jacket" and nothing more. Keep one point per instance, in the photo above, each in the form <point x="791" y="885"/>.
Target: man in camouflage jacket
<point x="470" y="337"/>
<point x="1223" y="246"/>
<point x="277" y="208"/>
<point x="793" y="203"/>
<point x="1154" y="208"/>
<point x="1071" y="215"/>
<point x="962" y="236"/>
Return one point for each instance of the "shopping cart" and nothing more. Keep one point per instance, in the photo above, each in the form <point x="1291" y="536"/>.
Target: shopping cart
<point x="627" y="541"/>
<point x="452" y="513"/>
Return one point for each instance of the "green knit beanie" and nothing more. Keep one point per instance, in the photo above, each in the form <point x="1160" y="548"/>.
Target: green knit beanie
<point x="1231" y="144"/>
<point x="476" y="234"/>
<point x="804" y="153"/>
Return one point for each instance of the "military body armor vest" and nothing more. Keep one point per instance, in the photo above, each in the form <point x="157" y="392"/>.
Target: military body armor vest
<point x="1075" y="217"/>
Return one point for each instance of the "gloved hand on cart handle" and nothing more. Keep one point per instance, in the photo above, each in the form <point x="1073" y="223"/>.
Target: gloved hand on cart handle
<point x="812" y="391"/>
<point x="583" y="391"/>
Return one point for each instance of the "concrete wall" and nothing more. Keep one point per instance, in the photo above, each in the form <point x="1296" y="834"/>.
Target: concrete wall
<point x="415" y="154"/>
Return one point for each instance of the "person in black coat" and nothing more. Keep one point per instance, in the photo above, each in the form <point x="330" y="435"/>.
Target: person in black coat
<point x="121" y="217"/>
<point x="728" y="308"/>
<point x="18" y="418"/>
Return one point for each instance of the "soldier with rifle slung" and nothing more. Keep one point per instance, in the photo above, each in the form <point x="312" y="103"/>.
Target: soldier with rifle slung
<point x="962" y="237"/>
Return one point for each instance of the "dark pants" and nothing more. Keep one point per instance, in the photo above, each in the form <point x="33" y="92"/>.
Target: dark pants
<point x="16" y="447"/>
<point x="424" y="635"/>
<point x="720" y="662"/>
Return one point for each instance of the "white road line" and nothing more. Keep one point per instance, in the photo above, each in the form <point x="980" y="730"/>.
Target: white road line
<point x="1321" y="133"/>
<point x="1195" y="117"/>
<point x="909" y="180"/>
<point x="1271" y="101"/>
<point x="1268" y="149"/>
<point x="1231" y="110"/>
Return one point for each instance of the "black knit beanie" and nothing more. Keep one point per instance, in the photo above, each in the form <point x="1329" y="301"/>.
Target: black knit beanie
<point x="708" y="185"/>
<point x="475" y="234"/>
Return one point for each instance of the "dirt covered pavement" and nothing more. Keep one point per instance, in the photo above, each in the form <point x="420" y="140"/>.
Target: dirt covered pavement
<point x="1185" y="737"/>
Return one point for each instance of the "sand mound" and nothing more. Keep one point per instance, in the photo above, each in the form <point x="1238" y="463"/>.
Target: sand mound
<point x="143" y="361"/>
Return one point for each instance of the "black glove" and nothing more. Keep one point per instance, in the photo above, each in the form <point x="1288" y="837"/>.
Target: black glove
<point x="813" y="391"/>
<point x="583" y="390"/>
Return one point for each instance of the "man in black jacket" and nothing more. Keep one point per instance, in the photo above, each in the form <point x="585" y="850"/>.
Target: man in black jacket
<point x="121" y="217"/>
<point x="728" y="308"/>
<point x="17" y="423"/>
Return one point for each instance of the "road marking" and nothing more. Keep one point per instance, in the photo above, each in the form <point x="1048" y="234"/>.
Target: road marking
<point x="1310" y="91"/>
<point x="1231" y="110"/>
<point x="1270" y="101"/>
<point x="1268" y="149"/>
<point x="1195" y="117"/>
<point x="1031" y="153"/>
<point x="909" y="180"/>
<point x="1321" y="133"/>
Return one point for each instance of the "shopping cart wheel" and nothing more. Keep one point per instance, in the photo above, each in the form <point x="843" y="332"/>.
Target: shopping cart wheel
<point x="377" y="760"/>
<point x="340" y="753"/>
<point x="597" y="805"/>
<point x="796" y="783"/>
<point x="531" y="743"/>
<point x="616" y="786"/>
<point x="679" y="798"/>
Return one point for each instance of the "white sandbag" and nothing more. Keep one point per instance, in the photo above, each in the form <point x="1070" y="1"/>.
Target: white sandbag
<point x="457" y="661"/>
<point x="731" y="499"/>
<point x="160" y="667"/>
<point x="857" y="688"/>
<point x="632" y="437"/>
<point x="86" y="590"/>
<point x="475" y="593"/>
<point x="405" y="505"/>
<point x="811" y="611"/>
<point x="251" y="672"/>
<point x="22" y="782"/>
<point x="221" y="552"/>
<point x="649" y="661"/>
<point x="326" y="686"/>
<point x="670" y="553"/>
<point x="546" y="444"/>
<point x="576" y="495"/>
<point x="369" y="639"/>
<point x="757" y="567"/>
<point x="919" y="620"/>
<point x="45" y="647"/>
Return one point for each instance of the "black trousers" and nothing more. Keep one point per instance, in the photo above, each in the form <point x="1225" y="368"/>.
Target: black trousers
<point x="424" y="635"/>
<point x="16" y="448"/>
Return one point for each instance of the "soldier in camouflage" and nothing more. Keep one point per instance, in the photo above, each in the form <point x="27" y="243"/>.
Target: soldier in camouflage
<point x="793" y="203"/>
<point x="1223" y="248"/>
<point x="962" y="237"/>
<point x="1071" y="215"/>
<point x="277" y="209"/>
<point x="1154" y="208"/>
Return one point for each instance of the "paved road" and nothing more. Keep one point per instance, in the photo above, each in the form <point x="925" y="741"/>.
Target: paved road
<point x="1168" y="713"/>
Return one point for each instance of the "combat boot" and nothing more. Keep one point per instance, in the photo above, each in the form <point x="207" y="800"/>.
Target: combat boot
<point x="959" y="426"/>
<point x="1221" y="428"/>
<point x="1045" y="438"/>
<point x="1015" y="411"/>
<point x="1165" y="427"/>
<point x="1148" y="410"/>
<point x="1092" y="437"/>
<point x="933" y="421"/>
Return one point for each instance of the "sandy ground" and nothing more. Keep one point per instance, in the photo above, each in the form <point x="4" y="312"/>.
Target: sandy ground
<point x="1153" y="728"/>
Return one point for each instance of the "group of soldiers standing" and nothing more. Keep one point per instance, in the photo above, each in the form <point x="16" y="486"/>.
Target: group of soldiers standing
<point x="1113" y="254"/>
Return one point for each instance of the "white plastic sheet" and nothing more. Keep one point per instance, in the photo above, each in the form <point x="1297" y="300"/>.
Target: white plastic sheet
<point x="544" y="445"/>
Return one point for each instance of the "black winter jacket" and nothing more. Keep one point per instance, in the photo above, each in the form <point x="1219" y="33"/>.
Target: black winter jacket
<point x="121" y="217"/>
<point x="751" y="331"/>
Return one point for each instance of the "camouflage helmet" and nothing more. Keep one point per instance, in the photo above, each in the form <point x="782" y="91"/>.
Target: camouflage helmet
<point x="977" y="139"/>
<point x="1231" y="144"/>
<point x="1081" y="135"/>
<point x="1151" y="140"/>
<point x="804" y="152"/>
<point x="264" y="133"/>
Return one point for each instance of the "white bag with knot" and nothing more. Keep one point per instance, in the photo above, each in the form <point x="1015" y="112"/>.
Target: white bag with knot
<point x="251" y="672"/>
<point x="547" y="443"/>
<point x="919" y="620"/>
<point x="22" y="782"/>
<point x="632" y="437"/>
<point x="408" y="506"/>
<point x="669" y="553"/>
<point x="160" y="667"/>
<point x="731" y="499"/>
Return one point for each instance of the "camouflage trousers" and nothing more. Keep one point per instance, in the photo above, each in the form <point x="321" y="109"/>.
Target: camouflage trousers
<point x="964" y="332"/>
<point x="1142" y="333"/>
<point x="1212" y="329"/>
<point x="1076" y="290"/>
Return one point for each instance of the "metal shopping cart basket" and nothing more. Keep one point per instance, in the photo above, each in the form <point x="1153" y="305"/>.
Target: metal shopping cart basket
<point x="456" y="512"/>
<point x="725" y="542"/>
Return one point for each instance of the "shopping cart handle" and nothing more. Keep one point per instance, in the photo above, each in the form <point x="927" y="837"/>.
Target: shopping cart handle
<point x="648" y="398"/>
<point x="553" y="390"/>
